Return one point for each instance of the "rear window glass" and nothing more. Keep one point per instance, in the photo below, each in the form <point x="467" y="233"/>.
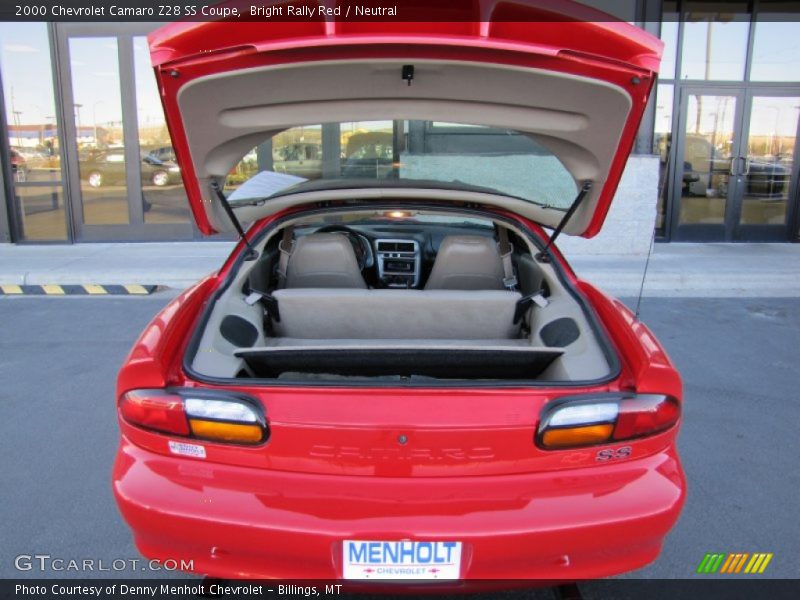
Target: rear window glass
<point x="461" y="156"/>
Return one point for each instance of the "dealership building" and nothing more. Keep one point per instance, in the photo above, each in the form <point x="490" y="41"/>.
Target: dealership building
<point x="86" y="155"/>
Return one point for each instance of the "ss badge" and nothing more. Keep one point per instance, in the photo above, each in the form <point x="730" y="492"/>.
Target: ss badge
<point x="613" y="454"/>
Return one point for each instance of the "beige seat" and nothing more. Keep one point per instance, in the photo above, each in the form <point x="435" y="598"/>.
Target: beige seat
<point x="467" y="262"/>
<point x="323" y="260"/>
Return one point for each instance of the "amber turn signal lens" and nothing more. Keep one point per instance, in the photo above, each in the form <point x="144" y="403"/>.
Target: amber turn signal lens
<point x="226" y="432"/>
<point x="577" y="436"/>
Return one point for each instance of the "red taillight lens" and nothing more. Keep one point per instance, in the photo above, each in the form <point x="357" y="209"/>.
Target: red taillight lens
<point x="200" y="414"/>
<point x="645" y="415"/>
<point x="155" y="409"/>
<point x="576" y="422"/>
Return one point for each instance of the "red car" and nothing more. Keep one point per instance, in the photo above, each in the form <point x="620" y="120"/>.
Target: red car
<point x="401" y="377"/>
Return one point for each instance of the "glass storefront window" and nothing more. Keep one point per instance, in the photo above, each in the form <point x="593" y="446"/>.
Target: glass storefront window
<point x="32" y="131"/>
<point x="662" y="142"/>
<point x="99" y="142"/>
<point x="624" y="10"/>
<point x="714" y="43"/>
<point x="708" y="150"/>
<point x="663" y="120"/>
<point x="770" y="159"/>
<point x="163" y="196"/>
<point x="42" y="214"/>
<point x="669" y="35"/>
<point x="775" y="50"/>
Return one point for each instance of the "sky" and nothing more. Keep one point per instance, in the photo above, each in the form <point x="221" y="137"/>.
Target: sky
<point x="28" y="83"/>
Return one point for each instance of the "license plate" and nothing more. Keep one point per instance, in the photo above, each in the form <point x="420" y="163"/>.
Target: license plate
<point x="401" y="560"/>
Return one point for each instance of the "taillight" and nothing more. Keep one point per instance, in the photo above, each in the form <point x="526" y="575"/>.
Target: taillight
<point x="575" y="422"/>
<point x="204" y="415"/>
<point x="155" y="409"/>
<point x="224" y="420"/>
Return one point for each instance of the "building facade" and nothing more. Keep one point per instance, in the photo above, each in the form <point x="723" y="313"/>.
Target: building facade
<point x="86" y="154"/>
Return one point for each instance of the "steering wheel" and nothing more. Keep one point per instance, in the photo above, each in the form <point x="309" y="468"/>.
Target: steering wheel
<point x="361" y="244"/>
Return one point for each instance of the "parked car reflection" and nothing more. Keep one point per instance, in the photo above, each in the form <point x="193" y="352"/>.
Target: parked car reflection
<point x="19" y="166"/>
<point x="368" y="155"/>
<point x="303" y="159"/>
<point x="108" y="168"/>
<point x="706" y="172"/>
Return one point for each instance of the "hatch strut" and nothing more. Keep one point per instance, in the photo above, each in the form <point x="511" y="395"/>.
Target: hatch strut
<point x="251" y="254"/>
<point x="544" y="255"/>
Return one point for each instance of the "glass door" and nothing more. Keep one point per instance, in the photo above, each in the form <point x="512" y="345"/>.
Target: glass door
<point x="708" y="171"/>
<point x="124" y="182"/>
<point x="768" y="194"/>
<point x="737" y="171"/>
<point x="38" y="211"/>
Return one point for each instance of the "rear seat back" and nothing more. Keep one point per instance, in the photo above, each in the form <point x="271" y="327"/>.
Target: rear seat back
<point x="309" y="313"/>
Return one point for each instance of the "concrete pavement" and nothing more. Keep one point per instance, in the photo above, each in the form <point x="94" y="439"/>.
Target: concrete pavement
<point x="677" y="270"/>
<point x="698" y="270"/>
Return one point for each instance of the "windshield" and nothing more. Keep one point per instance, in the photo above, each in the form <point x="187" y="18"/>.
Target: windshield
<point x="402" y="152"/>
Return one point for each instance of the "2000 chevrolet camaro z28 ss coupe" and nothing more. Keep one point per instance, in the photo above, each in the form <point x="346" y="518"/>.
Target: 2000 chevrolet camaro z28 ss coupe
<point x="396" y="375"/>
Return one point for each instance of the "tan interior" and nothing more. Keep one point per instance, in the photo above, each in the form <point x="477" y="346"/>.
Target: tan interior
<point x="323" y="261"/>
<point x="343" y="318"/>
<point x="579" y="119"/>
<point x="466" y="262"/>
<point x="388" y="314"/>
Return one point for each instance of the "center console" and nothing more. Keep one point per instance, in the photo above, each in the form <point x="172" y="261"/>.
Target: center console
<point x="398" y="263"/>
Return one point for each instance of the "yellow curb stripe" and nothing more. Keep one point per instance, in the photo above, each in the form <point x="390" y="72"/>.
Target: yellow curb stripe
<point x="135" y="289"/>
<point x="77" y="289"/>
<point x="93" y="289"/>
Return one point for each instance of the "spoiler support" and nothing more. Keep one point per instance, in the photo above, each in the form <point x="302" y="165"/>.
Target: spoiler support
<point x="252" y="253"/>
<point x="544" y="255"/>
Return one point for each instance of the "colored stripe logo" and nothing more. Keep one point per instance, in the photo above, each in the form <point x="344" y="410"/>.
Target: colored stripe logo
<point x="734" y="562"/>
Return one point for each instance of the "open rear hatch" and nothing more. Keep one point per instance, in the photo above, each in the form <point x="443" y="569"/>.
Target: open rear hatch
<point x="569" y="77"/>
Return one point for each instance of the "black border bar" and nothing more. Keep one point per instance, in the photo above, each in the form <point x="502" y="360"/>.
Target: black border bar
<point x="729" y="588"/>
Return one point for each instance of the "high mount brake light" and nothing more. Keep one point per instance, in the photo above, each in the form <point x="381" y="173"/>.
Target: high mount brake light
<point x="576" y="422"/>
<point x="203" y="415"/>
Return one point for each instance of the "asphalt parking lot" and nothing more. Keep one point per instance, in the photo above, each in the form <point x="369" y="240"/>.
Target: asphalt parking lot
<point x="739" y="442"/>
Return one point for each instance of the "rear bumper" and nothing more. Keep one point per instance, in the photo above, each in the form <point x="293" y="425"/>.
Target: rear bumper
<point x="235" y="522"/>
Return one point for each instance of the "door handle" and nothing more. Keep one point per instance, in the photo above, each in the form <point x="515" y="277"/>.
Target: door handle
<point x="739" y="161"/>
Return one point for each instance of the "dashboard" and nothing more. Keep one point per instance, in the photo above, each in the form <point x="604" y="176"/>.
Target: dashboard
<point x="399" y="262"/>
